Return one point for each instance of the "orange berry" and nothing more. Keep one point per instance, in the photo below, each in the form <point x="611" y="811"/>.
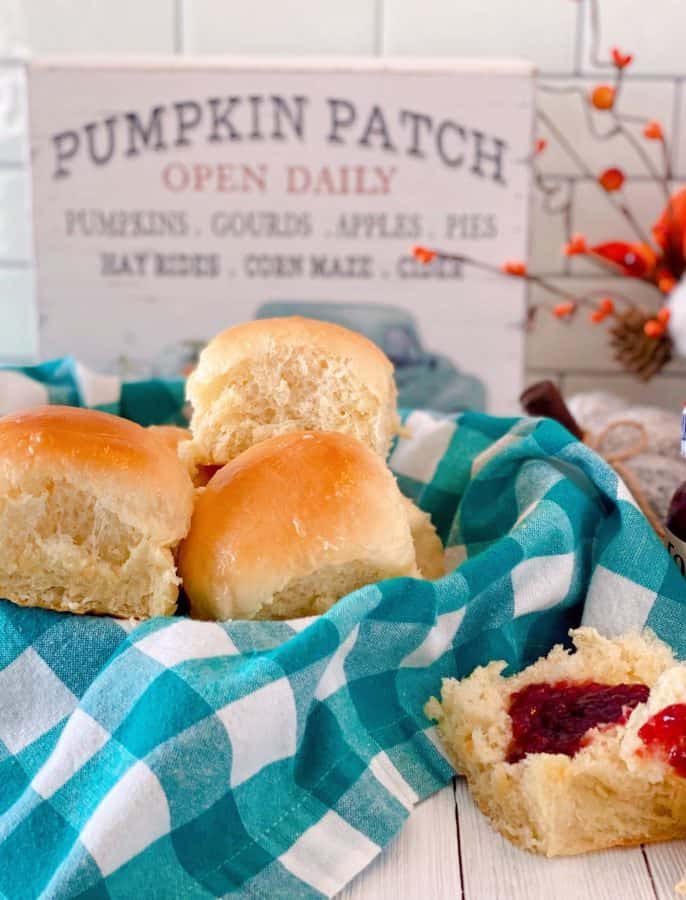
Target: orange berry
<point x="597" y="316"/>
<point x="576" y="245"/>
<point x="514" y="267"/>
<point x="540" y="145"/>
<point x="653" y="131"/>
<point x="611" y="179"/>
<point x="664" y="315"/>
<point x="666" y="282"/>
<point x="603" y="96"/>
<point x="621" y="60"/>
<point x="654" y="329"/>
<point x="423" y="254"/>
<point x="607" y="305"/>
<point x="562" y="310"/>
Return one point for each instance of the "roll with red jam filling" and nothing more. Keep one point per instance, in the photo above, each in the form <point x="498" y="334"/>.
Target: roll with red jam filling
<point x="581" y="751"/>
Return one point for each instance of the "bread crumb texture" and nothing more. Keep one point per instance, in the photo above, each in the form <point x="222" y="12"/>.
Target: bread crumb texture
<point x="427" y="544"/>
<point x="62" y="549"/>
<point x="92" y="509"/>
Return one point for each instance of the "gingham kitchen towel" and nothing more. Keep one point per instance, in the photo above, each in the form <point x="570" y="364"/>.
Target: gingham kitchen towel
<point x="65" y="381"/>
<point x="187" y="759"/>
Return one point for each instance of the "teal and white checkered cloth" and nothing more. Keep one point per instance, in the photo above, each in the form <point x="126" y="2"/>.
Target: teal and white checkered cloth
<point x="191" y="760"/>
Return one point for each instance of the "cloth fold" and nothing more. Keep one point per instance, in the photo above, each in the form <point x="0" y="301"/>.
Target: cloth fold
<point x="178" y="758"/>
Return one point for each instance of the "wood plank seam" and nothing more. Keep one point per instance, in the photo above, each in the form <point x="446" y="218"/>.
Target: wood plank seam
<point x="649" y="870"/>
<point x="459" y="841"/>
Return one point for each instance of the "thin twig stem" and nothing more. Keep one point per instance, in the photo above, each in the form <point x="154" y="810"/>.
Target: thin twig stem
<point x="660" y="177"/>
<point x="582" y="299"/>
<point x="622" y="208"/>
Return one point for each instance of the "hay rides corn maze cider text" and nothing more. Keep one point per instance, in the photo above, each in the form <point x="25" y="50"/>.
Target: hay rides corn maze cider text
<point x="170" y="202"/>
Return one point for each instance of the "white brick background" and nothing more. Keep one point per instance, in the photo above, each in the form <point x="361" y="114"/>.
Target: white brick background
<point x="555" y="34"/>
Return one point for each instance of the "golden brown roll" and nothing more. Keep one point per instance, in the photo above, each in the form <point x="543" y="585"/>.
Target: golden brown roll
<point x="292" y="525"/>
<point x="274" y="376"/>
<point x="91" y="509"/>
<point x="170" y="435"/>
<point x="173" y="437"/>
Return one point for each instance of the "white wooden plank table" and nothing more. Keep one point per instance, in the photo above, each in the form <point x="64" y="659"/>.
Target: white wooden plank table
<point x="448" y="851"/>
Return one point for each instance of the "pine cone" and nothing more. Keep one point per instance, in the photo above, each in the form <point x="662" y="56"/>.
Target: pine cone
<point x="639" y="354"/>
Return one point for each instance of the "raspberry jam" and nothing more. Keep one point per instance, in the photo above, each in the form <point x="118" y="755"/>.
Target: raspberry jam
<point x="553" y="718"/>
<point x="205" y="473"/>
<point x="666" y="733"/>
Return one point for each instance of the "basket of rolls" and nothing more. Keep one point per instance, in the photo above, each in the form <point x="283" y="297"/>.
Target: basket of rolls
<point x="218" y="638"/>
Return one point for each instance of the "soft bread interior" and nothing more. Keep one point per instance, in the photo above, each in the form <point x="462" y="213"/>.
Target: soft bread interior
<point x="427" y="544"/>
<point x="286" y="388"/>
<point x="314" y="594"/>
<point x="63" y="549"/>
<point x="604" y="796"/>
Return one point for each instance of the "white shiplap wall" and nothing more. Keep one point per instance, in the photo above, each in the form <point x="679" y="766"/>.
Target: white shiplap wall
<point x="552" y="33"/>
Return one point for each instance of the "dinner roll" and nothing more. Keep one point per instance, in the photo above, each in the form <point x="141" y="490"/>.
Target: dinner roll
<point x="91" y="509"/>
<point x="171" y="435"/>
<point x="428" y="548"/>
<point x="274" y="376"/>
<point x="290" y="526"/>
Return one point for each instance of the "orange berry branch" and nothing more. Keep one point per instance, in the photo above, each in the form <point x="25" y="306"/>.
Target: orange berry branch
<point x="600" y="305"/>
<point x="656" y="256"/>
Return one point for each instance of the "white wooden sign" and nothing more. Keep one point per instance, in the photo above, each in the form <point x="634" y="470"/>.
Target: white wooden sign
<point x="172" y="199"/>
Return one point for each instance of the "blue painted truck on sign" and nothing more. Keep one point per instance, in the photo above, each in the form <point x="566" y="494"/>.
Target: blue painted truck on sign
<point x="425" y="380"/>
